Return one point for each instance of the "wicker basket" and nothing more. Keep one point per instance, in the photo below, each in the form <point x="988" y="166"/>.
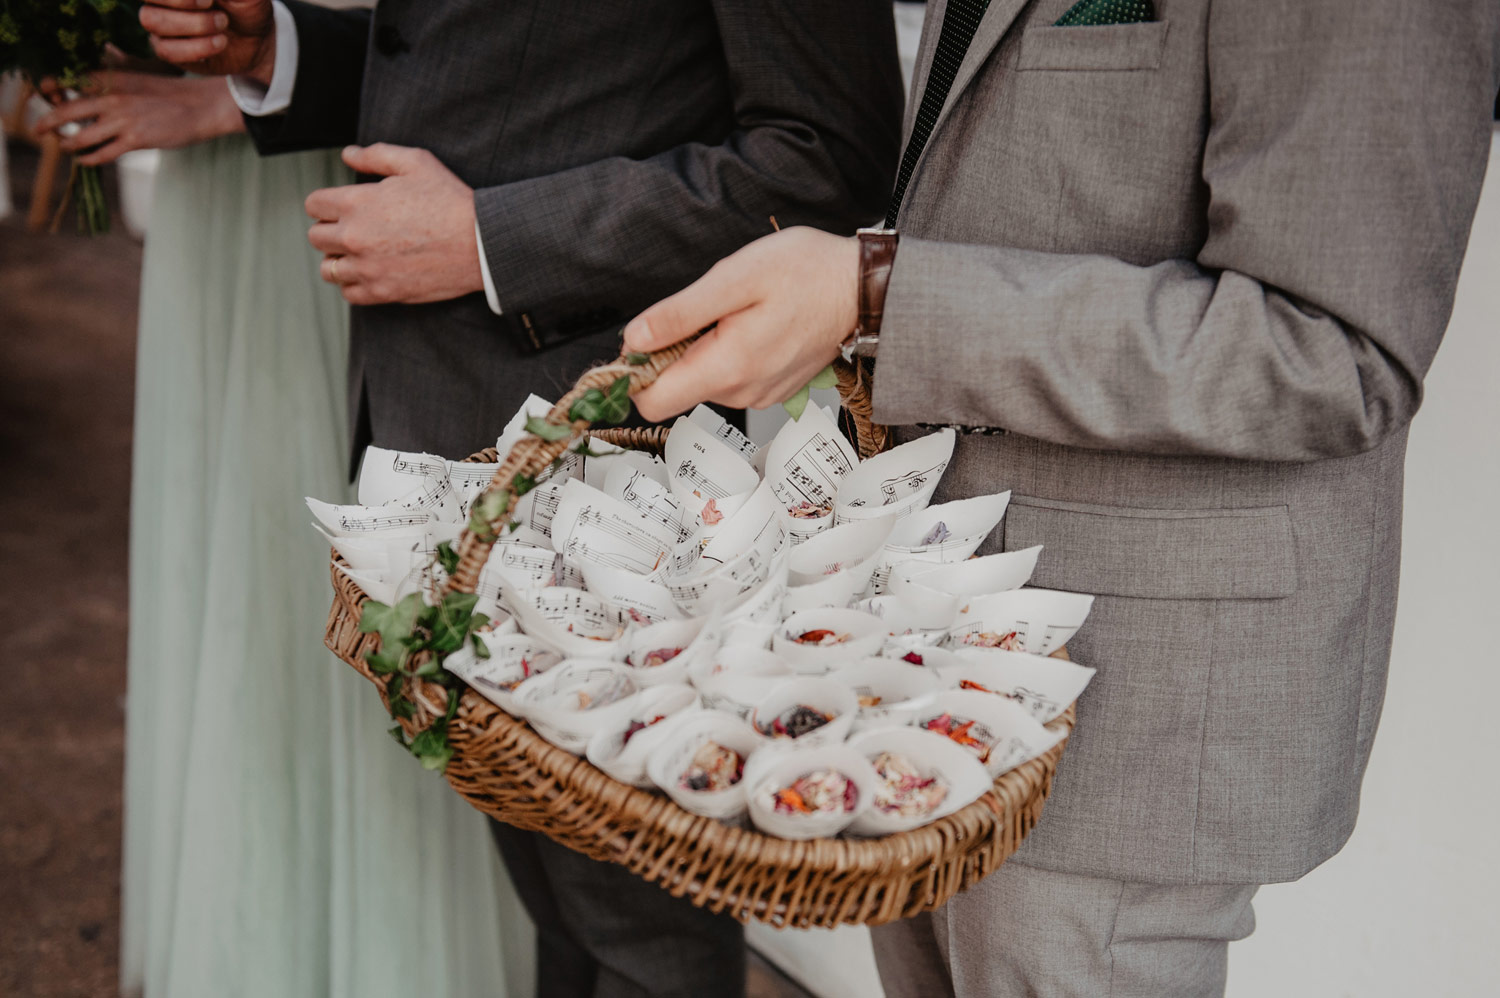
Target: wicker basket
<point x="506" y="770"/>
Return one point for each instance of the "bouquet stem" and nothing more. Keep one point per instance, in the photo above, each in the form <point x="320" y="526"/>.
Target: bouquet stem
<point x="93" y="210"/>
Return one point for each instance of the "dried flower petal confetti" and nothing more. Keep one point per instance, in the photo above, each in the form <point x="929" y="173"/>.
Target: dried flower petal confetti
<point x="713" y="767"/>
<point x="989" y="639"/>
<point x="970" y="734"/>
<point x="821" y="636"/>
<point x="823" y="791"/>
<point x="794" y="722"/>
<point x="903" y="790"/>
<point x="659" y="656"/>
<point x="639" y="725"/>
<point x="804" y="510"/>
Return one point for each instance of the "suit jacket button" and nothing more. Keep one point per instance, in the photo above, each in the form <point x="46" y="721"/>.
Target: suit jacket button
<point x="388" y="41"/>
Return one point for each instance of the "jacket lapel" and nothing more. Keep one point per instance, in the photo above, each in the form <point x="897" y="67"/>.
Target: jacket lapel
<point x="998" y="18"/>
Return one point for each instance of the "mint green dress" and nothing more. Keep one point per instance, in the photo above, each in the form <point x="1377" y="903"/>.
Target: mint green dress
<point x="277" y="843"/>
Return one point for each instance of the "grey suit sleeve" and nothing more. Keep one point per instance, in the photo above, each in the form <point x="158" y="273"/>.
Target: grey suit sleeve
<point x="817" y="98"/>
<point x="1344" y="162"/>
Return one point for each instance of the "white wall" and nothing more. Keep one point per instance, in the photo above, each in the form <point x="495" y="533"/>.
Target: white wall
<point x="1411" y="907"/>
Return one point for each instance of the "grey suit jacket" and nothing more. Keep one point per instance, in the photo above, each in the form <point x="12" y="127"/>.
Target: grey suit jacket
<point x="1196" y="270"/>
<point x="617" y="150"/>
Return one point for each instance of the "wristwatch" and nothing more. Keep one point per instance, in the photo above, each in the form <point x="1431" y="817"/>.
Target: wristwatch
<point x="877" y="252"/>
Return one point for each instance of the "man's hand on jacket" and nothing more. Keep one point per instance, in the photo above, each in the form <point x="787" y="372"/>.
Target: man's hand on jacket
<point x="409" y="238"/>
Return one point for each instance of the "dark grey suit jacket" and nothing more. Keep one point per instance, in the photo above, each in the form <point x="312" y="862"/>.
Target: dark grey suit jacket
<point x="1197" y="269"/>
<point x="617" y="149"/>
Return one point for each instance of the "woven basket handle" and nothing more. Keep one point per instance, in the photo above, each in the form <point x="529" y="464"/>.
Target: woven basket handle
<point x="531" y="455"/>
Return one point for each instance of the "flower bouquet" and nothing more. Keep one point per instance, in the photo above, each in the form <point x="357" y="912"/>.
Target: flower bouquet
<point x="64" y="41"/>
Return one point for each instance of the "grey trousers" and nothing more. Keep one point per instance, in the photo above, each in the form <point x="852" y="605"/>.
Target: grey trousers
<point x="1028" y="933"/>
<point x="603" y="932"/>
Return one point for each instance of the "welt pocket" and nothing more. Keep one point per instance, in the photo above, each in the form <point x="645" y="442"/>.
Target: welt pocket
<point x="1234" y="553"/>
<point x="1103" y="47"/>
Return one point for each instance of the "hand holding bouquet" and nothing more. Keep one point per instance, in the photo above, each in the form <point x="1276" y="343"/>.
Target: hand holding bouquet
<point x="64" y="41"/>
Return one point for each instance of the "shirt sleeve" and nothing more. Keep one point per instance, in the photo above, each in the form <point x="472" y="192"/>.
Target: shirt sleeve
<point x="490" y="294"/>
<point x="258" y="101"/>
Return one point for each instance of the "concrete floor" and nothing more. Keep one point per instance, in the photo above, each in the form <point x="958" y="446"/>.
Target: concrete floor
<point x="67" y="349"/>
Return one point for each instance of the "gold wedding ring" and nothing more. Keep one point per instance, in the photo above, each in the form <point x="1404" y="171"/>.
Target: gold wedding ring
<point x="333" y="270"/>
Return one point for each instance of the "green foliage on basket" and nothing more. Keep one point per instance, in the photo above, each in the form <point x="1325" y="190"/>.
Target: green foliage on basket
<point x="408" y="629"/>
<point x="825" y="378"/>
<point x="538" y="426"/>
<point x="486" y="514"/>
<point x="611" y="407"/>
<point x="637" y="359"/>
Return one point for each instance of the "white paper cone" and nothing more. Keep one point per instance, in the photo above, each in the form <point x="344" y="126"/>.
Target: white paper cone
<point x="552" y="702"/>
<point x="786" y="768"/>
<point x="934" y="755"/>
<point x="866" y="634"/>
<point x="1040" y="620"/>
<point x="626" y="760"/>
<point x="992" y="573"/>
<point x="1044" y="686"/>
<point x="898" y="481"/>
<point x="899" y="688"/>
<point x="834" y="699"/>
<point x="671" y="759"/>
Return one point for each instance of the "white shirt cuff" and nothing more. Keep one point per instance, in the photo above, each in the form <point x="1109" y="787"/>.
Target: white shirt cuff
<point x="490" y="294"/>
<point x="258" y="101"/>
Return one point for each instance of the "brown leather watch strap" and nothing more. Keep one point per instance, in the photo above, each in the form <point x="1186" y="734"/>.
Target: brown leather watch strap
<point x="877" y="252"/>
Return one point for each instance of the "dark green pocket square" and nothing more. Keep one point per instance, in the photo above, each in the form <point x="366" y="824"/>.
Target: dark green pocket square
<point x="1087" y="13"/>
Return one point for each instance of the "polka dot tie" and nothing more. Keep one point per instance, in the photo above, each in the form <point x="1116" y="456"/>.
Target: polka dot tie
<point x="1091" y="13"/>
<point x="960" y="21"/>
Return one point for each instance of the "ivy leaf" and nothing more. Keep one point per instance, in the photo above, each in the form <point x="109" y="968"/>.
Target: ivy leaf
<point x="588" y="406"/>
<point x="611" y="407"/>
<point x="403" y="708"/>
<point x="431" y="667"/>
<point x="797" y="403"/>
<point x="522" y="484"/>
<point x="537" y="426"/>
<point x="584" y="449"/>
<point x="447" y="557"/>
<point x="637" y="359"/>
<point x="384" y="662"/>
<point x="452" y="711"/>
<point x="617" y="402"/>
<point x="432" y="748"/>
<point x="373" y="617"/>
<point x="481" y="650"/>
<point x="491" y="505"/>
<point x="825" y="378"/>
<point x="399" y="735"/>
<point x="453" y="621"/>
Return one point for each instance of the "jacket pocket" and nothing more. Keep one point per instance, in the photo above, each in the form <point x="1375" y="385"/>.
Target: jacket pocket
<point x="1241" y="553"/>
<point x="1106" y="47"/>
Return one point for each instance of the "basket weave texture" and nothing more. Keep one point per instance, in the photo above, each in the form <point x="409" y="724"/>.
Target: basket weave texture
<point x="505" y="769"/>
